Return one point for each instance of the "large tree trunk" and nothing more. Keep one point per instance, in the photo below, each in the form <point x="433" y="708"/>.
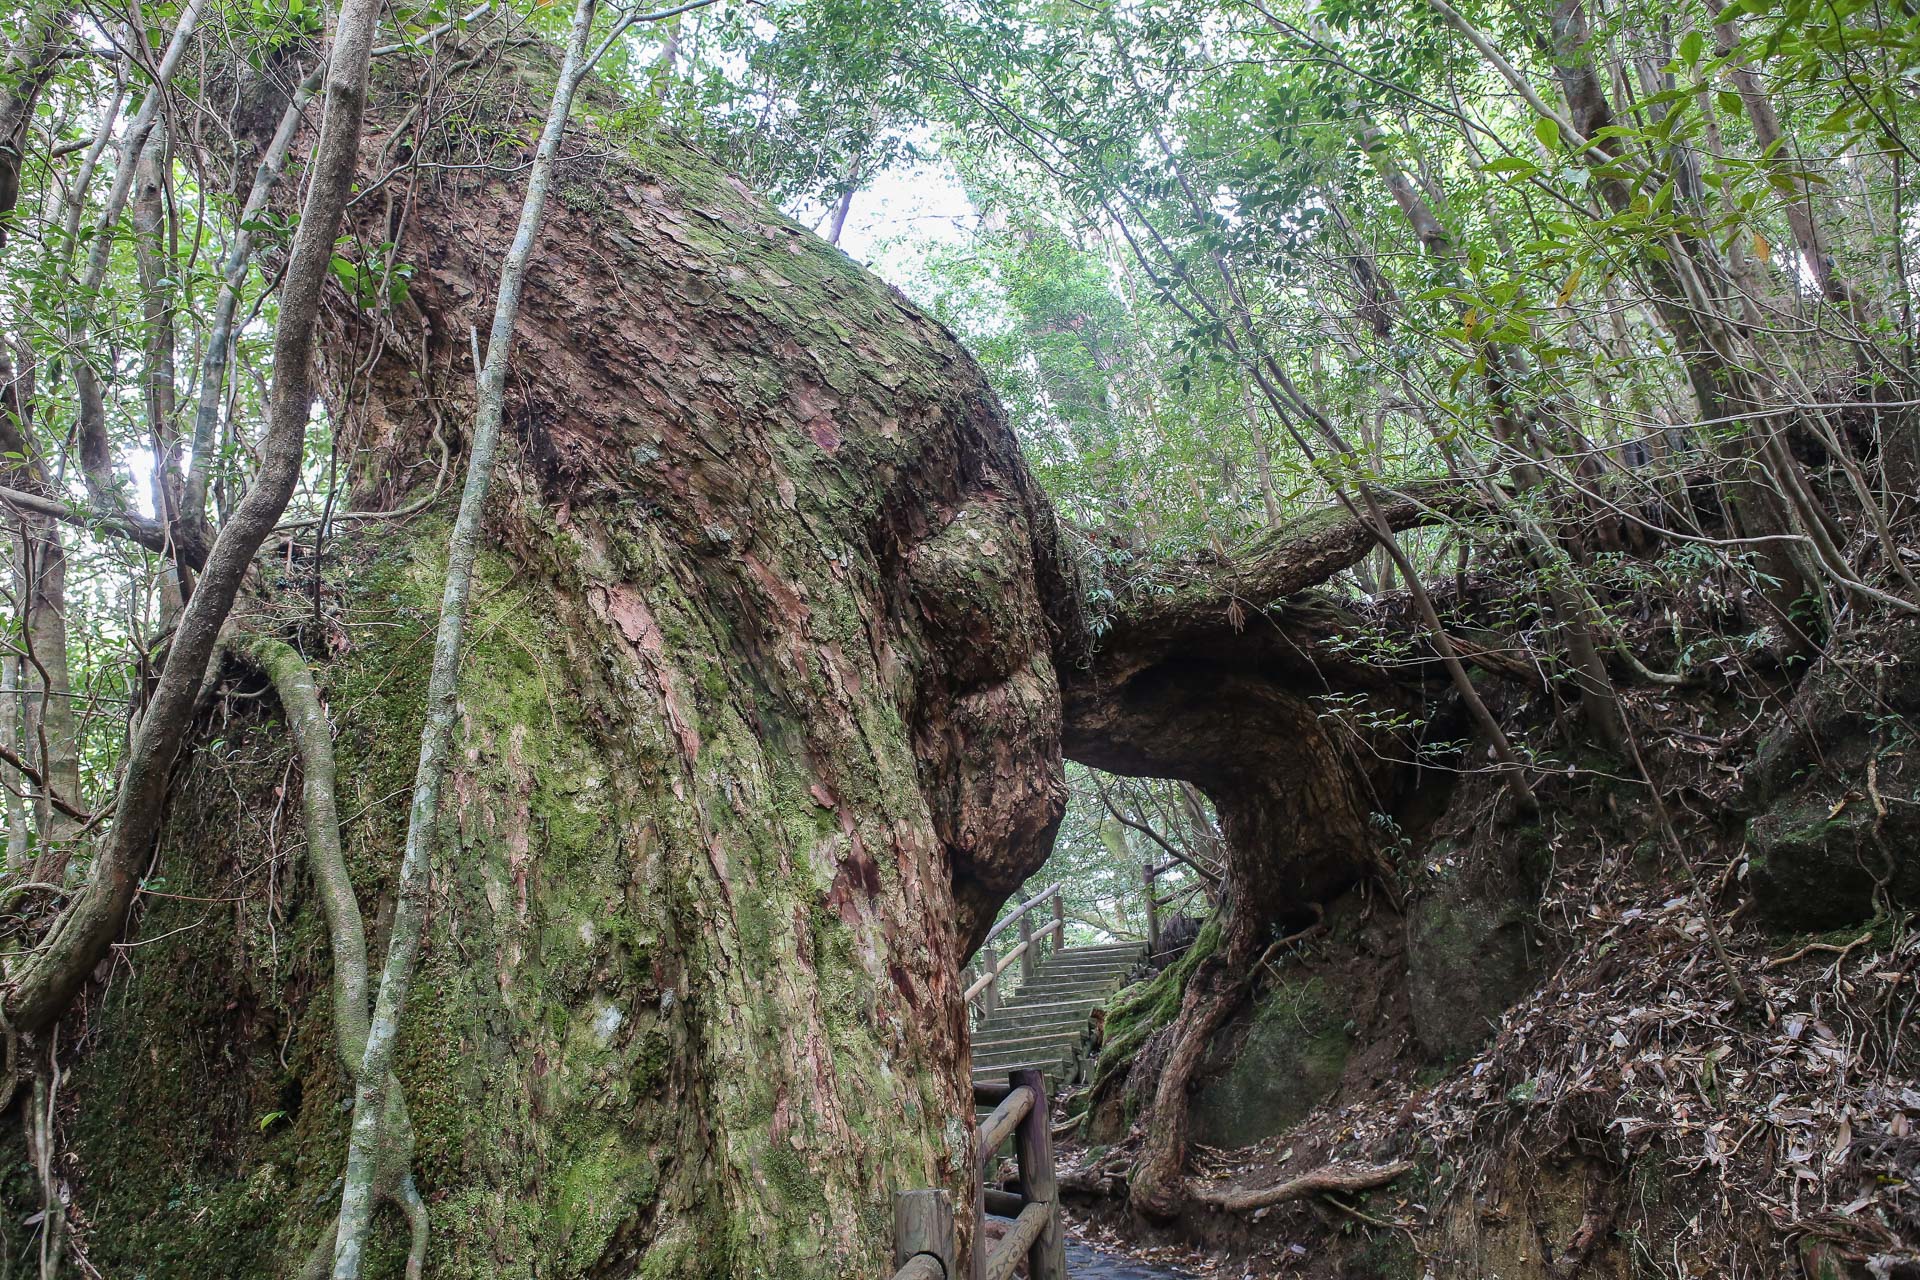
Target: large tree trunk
<point x="761" y="720"/>
<point x="760" y="723"/>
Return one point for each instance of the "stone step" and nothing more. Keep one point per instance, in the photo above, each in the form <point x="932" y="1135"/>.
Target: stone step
<point x="1056" y="995"/>
<point x="1056" y="1066"/>
<point x="1045" y="993"/>
<point x="1127" y="956"/>
<point x="1101" y="972"/>
<point x="1032" y="1046"/>
<point x="1008" y="1015"/>
<point x="1068" y="1025"/>
<point x="1083" y="970"/>
<point x="1082" y="973"/>
<point x="1044" y="1024"/>
<point x="1057" y="1037"/>
<point x="998" y="1075"/>
<point x="1045" y="987"/>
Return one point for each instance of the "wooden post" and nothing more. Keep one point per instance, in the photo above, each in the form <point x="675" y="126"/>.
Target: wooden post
<point x="1153" y="911"/>
<point x="990" y="997"/>
<point x="1033" y="1142"/>
<point x="923" y="1223"/>
<point x="1029" y="962"/>
<point x="1059" y="924"/>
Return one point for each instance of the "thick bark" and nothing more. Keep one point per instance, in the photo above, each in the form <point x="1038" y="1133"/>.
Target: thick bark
<point x="760" y="721"/>
<point x="369" y="1145"/>
<point x="758" y="725"/>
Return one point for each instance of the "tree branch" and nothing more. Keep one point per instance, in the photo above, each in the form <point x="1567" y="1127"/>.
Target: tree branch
<point x="32" y="775"/>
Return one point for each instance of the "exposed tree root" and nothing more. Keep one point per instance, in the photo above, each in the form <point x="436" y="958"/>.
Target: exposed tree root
<point x="1214" y="992"/>
<point x="313" y="739"/>
<point x="1827" y="947"/>
<point x="1333" y="1177"/>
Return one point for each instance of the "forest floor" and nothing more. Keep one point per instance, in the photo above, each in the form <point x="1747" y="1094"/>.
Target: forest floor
<point x="1649" y="1105"/>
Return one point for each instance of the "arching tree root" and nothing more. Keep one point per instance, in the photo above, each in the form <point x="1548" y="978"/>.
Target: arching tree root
<point x="1333" y="1177"/>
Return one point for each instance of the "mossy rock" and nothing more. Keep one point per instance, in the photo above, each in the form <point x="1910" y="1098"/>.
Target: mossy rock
<point x="1263" y="1073"/>
<point x="1467" y="961"/>
<point x="1813" y="861"/>
<point x="1833" y="789"/>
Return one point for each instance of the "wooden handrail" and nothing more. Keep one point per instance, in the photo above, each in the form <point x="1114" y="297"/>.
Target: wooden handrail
<point x="985" y="980"/>
<point x="1028" y="952"/>
<point x="921" y="1266"/>
<point x="1005" y="1118"/>
<point x="1014" y="1246"/>
<point x="923" y="1235"/>
<point x="1049" y="892"/>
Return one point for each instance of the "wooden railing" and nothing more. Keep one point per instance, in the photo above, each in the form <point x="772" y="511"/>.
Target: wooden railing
<point x="1149" y="873"/>
<point x="983" y="984"/>
<point x="923" y="1237"/>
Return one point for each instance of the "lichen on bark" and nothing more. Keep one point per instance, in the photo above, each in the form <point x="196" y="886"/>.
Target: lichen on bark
<point x="727" y="774"/>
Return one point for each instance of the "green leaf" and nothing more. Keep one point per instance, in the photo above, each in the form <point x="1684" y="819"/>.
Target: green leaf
<point x="1548" y="131"/>
<point x="1514" y="165"/>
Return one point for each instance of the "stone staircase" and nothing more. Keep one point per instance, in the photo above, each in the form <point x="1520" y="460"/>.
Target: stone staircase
<point x="1045" y="1025"/>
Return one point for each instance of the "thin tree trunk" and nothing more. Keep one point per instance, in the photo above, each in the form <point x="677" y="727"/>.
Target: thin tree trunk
<point x="1598" y="697"/>
<point x="233" y="272"/>
<point x="52" y="730"/>
<point x="1262" y="458"/>
<point x="346" y="930"/>
<point x="152" y="250"/>
<point x="1770" y="141"/>
<point x="28" y="66"/>
<point x="371" y="1091"/>
<point x="48" y="981"/>
<point x="11" y="688"/>
<point x="96" y="450"/>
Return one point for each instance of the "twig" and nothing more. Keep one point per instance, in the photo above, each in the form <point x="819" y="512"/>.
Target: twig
<point x="34" y="776"/>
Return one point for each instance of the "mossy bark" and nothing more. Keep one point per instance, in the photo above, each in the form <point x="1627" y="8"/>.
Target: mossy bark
<point x="759" y="722"/>
<point x="762" y="717"/>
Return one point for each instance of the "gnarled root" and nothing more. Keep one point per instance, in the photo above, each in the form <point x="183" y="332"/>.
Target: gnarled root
<point x="1158" y="1188"/>
<point x="1333" y="1177"/>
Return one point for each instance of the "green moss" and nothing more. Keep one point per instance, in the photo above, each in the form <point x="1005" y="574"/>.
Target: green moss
<point x="1388" y="1254"/>
<point x="1260" y="1082"/>
<point x="600" y="1189"/>
<point x="196" y="1044"/>
<point x="612" y="907"/>
<point x="1138" y="1011"/>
